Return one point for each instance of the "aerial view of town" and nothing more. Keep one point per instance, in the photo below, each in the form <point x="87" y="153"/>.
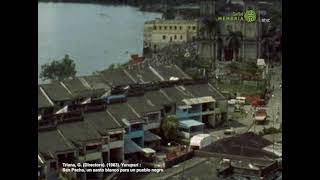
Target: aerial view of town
<point x="159" y="89"/>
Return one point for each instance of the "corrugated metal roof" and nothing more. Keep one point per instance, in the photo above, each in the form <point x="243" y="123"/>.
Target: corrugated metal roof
<point x="131" y="147"/>
<point x="190" y="123"/>
<point x="149" y="136"/>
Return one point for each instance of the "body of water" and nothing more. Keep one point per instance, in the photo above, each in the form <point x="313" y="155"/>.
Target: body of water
<point x="95" y="36"/>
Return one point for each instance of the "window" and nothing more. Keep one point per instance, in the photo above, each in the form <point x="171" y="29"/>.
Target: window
<point x="91" y="147"/>
<point x="193" y="27"/>
<point x="170" y="27"/>
<point x="175" y="27"/>
<point x="171" y="39"/>
<point x="189" y="27"/>
<point x="180" y="27"/>
<point x="155" y="46"/>
<point x="164" y="37"/>
<point x="155" y="27"/>
<point x="175" y="36"/>
<point x="165" y="28"/>
<point x="181" y="37"/>
<point x="160" y="27"/>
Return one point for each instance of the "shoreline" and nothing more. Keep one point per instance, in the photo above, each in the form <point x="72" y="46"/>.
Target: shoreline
<point x="147" y="8"/>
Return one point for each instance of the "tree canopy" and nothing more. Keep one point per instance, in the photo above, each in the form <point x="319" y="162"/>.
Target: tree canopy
<point x="169" y="128"/>
<point x="58" y="70"/>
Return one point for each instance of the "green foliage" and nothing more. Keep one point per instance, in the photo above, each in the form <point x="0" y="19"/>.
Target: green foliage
<point x="58" y="70"/>
<point x="169" y="128"/>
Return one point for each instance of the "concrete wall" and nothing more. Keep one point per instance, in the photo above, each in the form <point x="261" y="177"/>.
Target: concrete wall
<point x="91" y="156"/>
<point x="222" y="105"/>
<point x="116" y="144"/>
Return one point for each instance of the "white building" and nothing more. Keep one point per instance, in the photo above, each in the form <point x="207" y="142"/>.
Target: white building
<point x="159" y="33"/>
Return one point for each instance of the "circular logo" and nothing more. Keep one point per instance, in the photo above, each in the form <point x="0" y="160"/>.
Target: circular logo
<point x="250" y="16"/>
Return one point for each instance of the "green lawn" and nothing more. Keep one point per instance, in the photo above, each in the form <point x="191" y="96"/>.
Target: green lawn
<point x="244" y="90"/>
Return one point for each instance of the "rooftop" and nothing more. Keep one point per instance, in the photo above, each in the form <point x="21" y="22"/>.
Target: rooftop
<point x="96" y="82"/>
<point x="190" y="123"/>
<point x="143" y="105"/>
<point x="177" y="93"/>
<point x="52" y="141"/>
<point x="174" y="21"/>
<point x="80" y="132"/>
<point x="117" y="77"/>
<point x="142" y="74"/>
<point x="130" y="146"/>
<point x="43" y="101"/>
<point x="200" y="90"/>
<point x="158" y="98"/>
<point x="102" y="122"/>
<point x="169" y="71"/>
<point x="149" y="136"/>
<point x="56" y="92"/>
<point x="199" y="100"/>
<point x="123" y="111"/>
<point x="77" y="88"/>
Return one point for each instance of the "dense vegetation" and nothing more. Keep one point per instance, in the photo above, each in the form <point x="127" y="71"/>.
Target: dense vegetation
<point x="58" y="70"/>
<point x="169" y="128"/>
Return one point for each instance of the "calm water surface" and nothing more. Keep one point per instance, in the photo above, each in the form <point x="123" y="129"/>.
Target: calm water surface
<point x="95" y="36"/>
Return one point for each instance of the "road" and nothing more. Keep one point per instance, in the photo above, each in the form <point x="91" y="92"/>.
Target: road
<point x="274" y="110"/>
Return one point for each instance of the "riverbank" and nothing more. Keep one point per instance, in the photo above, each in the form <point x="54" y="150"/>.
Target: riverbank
<point x="143" y="5"/>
